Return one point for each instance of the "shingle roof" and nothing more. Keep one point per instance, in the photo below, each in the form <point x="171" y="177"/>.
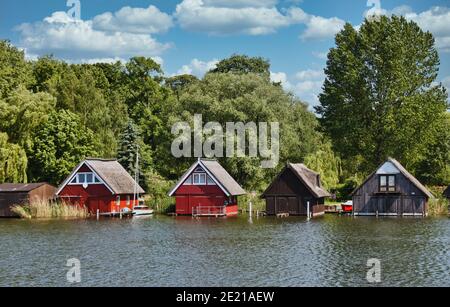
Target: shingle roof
<point x="308" y="177"/>
<point x="407" y="174"/>
<point x="112" y="173"/>
<point x="20" y="187"/>
<point x="226" y="182"/>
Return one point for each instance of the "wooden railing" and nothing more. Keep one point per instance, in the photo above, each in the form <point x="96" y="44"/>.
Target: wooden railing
<point x="209" y="211"/>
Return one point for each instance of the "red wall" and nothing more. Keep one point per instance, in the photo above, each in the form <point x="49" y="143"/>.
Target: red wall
<point x="95" y="196"/>
<point x="189" y="196"/>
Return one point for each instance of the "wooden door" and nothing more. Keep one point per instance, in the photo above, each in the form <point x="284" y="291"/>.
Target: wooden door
<point x="270" y="206"/>
<point x="282" y="205"/>
<point x="293" y="206"/>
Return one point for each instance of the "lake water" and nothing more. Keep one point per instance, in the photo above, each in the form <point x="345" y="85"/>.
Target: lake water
<point x="166" y="251"/>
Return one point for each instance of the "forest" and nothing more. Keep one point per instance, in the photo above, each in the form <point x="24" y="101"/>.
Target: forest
<point x="380" y="98"/>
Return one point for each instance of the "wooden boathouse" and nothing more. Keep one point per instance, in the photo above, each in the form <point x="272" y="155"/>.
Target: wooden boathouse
<point x="206" y="189"/>
<point x="391" y="191"/>
<point x="23" y="193"/>
<point x="297" y="190"/>
<point x="100" y="184"/>
<point x="447" y="193"/>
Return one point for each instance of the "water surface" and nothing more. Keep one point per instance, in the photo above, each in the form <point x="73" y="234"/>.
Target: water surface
<point x="165" y="251"/>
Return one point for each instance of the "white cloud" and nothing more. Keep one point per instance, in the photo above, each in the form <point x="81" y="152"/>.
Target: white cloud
<point x="320" y="55"/>
<point x="446" y="83"/>
<point x="242" y="17"/>
<point x="68" y="38"/>
<point x="310" y="74"/>
<point x="321" y="28"/>
<point x="197" y="67"/>
<point x="134" y="20"/>
<point x="281" y="77"/>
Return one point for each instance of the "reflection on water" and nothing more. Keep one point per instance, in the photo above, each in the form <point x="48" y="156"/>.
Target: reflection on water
<point x="244" y="251"/>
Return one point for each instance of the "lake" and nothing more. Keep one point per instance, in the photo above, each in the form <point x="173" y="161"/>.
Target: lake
<point x="167" y="251"/>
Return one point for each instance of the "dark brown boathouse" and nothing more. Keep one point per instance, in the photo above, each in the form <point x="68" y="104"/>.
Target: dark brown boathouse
<point x="447" y="192"/>
<point x="293" y="190"/>
<point x="391" y="191"/>
<point x="23" y="193"/>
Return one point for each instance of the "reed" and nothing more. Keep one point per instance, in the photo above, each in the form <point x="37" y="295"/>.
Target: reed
<point x="438" y="206"/>
<point x="50" y="210"/>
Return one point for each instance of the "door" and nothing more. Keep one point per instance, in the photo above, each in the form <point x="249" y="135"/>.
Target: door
<point x="270" y="205"/>
<point x="293" y="206"/>
<point x="282" y="205"/>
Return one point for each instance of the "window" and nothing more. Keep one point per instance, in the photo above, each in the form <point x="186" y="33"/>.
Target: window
<point x="128" y="200"/>
<point x="85" y="178"/>
<point x="387" y="183"/>
<point x="118" y="201"/>
<point x="188" y="181"/>
<point x="199" y="179"/>
<point x="210" y="181"/>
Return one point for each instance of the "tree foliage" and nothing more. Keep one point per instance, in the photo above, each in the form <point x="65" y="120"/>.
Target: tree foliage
<point x="13" y="161"/>
<point x="380" y="98"/>
<point x="59" y="145"/>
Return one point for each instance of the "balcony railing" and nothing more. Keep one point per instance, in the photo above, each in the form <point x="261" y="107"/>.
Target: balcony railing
<point x="209" y="211"/>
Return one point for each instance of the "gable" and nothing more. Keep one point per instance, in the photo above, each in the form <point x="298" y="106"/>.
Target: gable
<point x="84" y="176"/>
<point x="387" y="168"/>
<point x="287" y="183"/>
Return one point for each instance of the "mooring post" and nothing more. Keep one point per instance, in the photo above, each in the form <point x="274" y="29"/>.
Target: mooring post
<point x="98" y="214"/>
<point x="250" y="206"/>
<point x="308" y="213"/>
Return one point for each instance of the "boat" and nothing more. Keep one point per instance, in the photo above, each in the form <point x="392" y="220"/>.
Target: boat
<point x="139" y="209"/>
<point x="142" y="210"/>
<point x="347" y="207"/>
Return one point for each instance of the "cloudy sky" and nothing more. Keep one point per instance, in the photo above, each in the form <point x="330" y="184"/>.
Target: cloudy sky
<point x="190" y="36"/>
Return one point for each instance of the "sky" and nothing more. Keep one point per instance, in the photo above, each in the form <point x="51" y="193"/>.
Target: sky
<point x="190" y="36"/>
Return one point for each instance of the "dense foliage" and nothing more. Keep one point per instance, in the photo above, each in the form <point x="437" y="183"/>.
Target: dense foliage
<point x="380" y="99"/>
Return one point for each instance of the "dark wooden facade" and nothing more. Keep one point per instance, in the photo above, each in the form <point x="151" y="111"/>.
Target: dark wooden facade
<point x="447" y="192"/>
<point x="19" y="194"/>
<point x="405" y="196"/>
<point x="291" y="191"/>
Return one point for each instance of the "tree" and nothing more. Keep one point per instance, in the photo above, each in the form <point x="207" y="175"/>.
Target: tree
<point x="225" y="97"/>
<point x="59" y="145"/>
<point x="22" y="112"/>
<point x="243" y="64"/>
<point x="14" y="70"/>
<point x="180" y="82"/>
<point x="380" y="94"/>
<point x="13" y="161"/>
<point x="128" y="147"/>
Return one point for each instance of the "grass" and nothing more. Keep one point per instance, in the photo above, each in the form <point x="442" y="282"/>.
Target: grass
<point x="258" y="204"/>
<point x="438" y="206"/>
<point x="50" y="210"/>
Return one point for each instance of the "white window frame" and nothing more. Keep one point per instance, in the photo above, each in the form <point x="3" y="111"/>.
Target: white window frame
<point x="199" y="175"/>
<point x="77" y="181"/>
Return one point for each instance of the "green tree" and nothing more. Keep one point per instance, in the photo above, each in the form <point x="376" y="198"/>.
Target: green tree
<point x="180" y="82"/>
<point x="243" y="64"/>
<point x="380" y="96"/>
<point x="59" y="145"/>
<point x="22" y="112"/>
<point x="128" y="147"/>
<point x="14" y="69"/>
<point x="13" y="161"/>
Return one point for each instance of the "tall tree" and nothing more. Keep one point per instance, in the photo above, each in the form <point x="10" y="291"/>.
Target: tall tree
<point x="243" y="64"/>
<point x="59" y="145"/>
<point x="128" y="147"/>
<point x="380" y="95"/>
<point x="13" y="161"/>
<point x="14" y="69"/>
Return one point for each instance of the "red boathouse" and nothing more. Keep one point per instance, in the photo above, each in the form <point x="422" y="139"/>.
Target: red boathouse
<point x="100" y="184"/>
<point x="207" y="189"/>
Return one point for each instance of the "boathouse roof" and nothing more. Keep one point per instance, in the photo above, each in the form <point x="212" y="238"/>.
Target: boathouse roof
<point x="20" y="187"/>
<point x="111" y="172"/>
<point x="308" y="177"/>
<point x="397" y="165"/>
<point x="222" y="178"/>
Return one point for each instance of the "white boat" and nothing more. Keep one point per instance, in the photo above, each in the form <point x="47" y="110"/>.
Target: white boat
<point x="142" y="210"/>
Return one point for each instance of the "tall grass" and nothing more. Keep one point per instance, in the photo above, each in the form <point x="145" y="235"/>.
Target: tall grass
<point x="438" y="206"/>
<point x="258" y="204"/>
<point x="50" y="210"/>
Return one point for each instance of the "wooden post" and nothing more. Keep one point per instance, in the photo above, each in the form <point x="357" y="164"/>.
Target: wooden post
<point x="308" y="210"/>
<point x="98" y="214"/>
<point x="250" y="206"/>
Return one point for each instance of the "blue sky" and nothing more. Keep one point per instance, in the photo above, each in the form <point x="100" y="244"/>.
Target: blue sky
<point x="189" y="36"/>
